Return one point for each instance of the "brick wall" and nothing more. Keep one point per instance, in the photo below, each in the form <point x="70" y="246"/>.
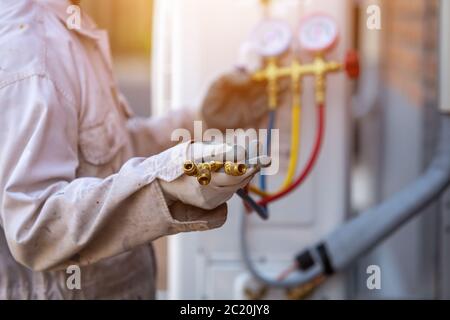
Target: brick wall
<point x="410" y="30"/>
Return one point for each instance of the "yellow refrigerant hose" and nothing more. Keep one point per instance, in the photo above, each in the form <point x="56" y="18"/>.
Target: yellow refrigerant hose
<point x="295" y="148"/>
<point x="295" y="145"/>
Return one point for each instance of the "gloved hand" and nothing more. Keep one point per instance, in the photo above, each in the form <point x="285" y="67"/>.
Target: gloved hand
<point x="187" y="190"/>
<point x="235" y="101"/>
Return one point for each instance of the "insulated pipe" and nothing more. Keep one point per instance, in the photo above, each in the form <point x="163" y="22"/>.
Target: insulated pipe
<point x="363" y="233"/>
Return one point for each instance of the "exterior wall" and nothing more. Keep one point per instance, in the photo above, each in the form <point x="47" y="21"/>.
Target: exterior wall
<point x="406" y="121"/>
<point x="410" y="31"/>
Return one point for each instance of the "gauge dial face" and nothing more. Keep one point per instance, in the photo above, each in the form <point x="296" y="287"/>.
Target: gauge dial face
<point x="318" y="33"/>
<point x="272" y="38"/>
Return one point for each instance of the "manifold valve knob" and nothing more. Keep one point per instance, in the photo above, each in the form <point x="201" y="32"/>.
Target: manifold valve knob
<point x="352" y="64"/>
<point x="204" y="174"/>
<point x="190" y="168"/>
<point x="235" y="169"/>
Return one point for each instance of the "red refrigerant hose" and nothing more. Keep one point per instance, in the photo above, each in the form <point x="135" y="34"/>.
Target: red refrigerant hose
<point x="310" y="164"/>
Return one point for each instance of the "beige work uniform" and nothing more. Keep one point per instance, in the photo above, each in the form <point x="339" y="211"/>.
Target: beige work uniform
<point x="71" y="192"/>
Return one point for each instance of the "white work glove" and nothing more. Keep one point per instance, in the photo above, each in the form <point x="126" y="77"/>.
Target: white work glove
<point x="222" y="187"/>
<point x="234" y="101"/>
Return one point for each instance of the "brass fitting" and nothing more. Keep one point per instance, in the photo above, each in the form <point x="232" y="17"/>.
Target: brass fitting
<point x="216" y="165"/>
<point x="304" y="291"/>
<point x="204" y="173"/>
<point x="318" y="68"/>
<point x="235" y="169"/>
<point x="321" y="68"/>
<point x="190" y="168"/>
<point x="271" y="74"/>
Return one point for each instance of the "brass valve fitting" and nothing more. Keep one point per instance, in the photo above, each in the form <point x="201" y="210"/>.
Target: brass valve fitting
<point x="235" y="169"/>
<point x="204" y="173"/>
<point x="319" y="68"/>
<point x="216" y="165"/>
<point x="190" y="168"/>
<point x="272" y="73"/>
<point x="201" y="171"/>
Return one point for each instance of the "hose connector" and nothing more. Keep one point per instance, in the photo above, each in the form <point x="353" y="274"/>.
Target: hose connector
<point x="204" y="173"/>
<point x="235" y="169"/>
<point x="216" y="165"/>
<point x="190" y="168"/>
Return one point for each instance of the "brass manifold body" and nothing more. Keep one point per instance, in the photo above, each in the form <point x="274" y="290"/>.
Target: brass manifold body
<point x="202" y="171"/>
<point x="319" y="68"/>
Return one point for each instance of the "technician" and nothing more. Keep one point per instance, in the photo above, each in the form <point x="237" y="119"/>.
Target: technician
<point x="82" y="181"/>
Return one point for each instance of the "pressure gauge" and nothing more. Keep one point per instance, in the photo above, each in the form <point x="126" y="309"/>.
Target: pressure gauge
<point x="318" y="33"/>
<point x="272" y="38"/>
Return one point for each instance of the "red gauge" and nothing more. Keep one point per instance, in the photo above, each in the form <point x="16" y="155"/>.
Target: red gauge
<point x="318" y="33"/>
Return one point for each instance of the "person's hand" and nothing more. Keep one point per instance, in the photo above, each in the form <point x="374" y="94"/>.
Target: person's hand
<point x="234" y="100"/>
<point x="222" y="187"/>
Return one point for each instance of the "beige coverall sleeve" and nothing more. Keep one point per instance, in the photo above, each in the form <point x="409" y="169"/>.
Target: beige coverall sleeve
<point x="52" y="219"/>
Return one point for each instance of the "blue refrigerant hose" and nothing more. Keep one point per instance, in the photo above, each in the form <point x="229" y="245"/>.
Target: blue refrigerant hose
<point x="262" y="178"/>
